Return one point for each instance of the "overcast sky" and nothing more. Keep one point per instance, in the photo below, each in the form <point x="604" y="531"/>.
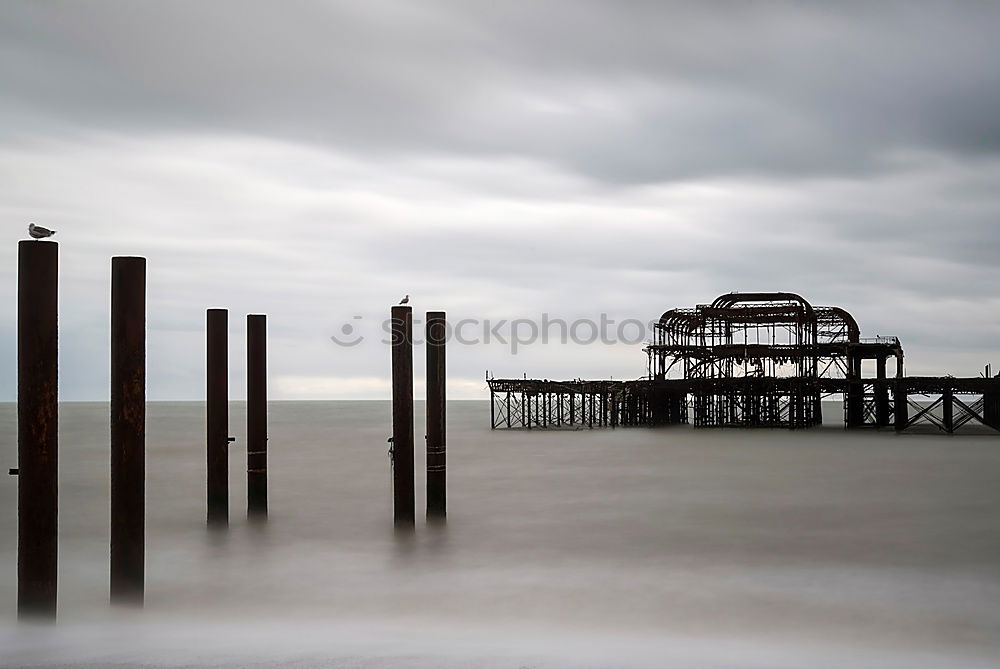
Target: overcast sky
<point x="498" y="160"/>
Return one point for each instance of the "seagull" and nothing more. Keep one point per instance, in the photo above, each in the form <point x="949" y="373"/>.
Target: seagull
<point x="38" y="232"/>
<point x="405" y="300"/>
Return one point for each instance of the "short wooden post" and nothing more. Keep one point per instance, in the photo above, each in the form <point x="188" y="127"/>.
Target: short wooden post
<point x="128" y="429"/>
<point x="217" y="413"/>
<point x="402" y="416"/>
<point x="37" y="428"/>
<point x="437" y="334"/>
<point x="257" y="416"/>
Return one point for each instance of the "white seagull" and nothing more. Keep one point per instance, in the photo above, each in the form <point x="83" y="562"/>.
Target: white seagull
<point x="38" y="232"/>
<point x="405" y="300"/>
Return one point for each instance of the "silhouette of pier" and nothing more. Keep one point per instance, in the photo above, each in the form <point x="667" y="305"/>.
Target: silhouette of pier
<point x="755" y="360"/>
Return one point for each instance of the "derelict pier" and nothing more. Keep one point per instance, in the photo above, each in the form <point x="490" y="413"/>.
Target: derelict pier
<point x="755" y="360"/>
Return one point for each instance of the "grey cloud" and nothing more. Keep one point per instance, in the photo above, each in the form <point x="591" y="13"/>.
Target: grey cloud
<point x="500" y="160"/>
<point x="623" y="93"/>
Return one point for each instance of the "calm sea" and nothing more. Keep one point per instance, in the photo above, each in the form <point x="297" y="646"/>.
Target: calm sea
<point x="607" y="548"/>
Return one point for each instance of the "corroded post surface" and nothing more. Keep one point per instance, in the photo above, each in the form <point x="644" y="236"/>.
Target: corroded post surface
<point x="37" y="428"/>
<point x="217" y="416"/>
<point x="402" y="416"/>
<point x="436" y="410"/>
<point x="257" y="416"/>
<point x="128" y="429"/>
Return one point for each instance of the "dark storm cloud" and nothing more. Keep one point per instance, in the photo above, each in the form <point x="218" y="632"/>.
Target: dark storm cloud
<point x="620" y="92"/>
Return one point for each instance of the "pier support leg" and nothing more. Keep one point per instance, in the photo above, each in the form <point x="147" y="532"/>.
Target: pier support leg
<point x="948" y="410"/>
<point x="901" y="407"/>
<point x="659" y="408"/>
<point x="128" y="429"/>
<point x="881" y="395"/>
<point x="436" y="411"/>
<point x="217" y="416"/>
<point x="37" y="428"/>
<point x="493" y="410"/>
<point x="855" y="397"/>
<point x="402" y="416"/>
<point x="257" y="416"/>
<point x="991" y="410"/>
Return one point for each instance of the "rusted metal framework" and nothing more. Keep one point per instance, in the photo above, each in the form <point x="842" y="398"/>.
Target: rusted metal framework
<point x="754" y="360"/>
<point x="534" y="403"/>
<point x="947" y="404"/>
<point x="764" y="356"/>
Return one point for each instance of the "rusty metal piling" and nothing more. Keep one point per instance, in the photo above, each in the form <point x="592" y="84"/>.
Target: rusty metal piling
<point x="436" y="410"/>
<point x="402" y="416"/>
<point x="948" y="410"/>
<point x="128" y="429"/>
<point x="37" y="428"/>
<point x="217" y="417"/>
<point x="900" y="409"/>
<point x="882" y="406"/>
<point x="991" y="409"/>
<point x="257" y="416"/>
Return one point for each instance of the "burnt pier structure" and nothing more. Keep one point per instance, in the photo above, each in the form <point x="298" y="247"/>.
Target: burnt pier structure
<point x="755" y="360"/>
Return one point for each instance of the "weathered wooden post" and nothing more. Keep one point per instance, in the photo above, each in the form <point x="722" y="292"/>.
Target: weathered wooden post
<point x="257" y="416"/>
<point x="402" y="416"/>
<point x="217" y="414"/>
<point x="128" y="429"/>
<point x="437" y="335"/>
<point x="37" y="428"/>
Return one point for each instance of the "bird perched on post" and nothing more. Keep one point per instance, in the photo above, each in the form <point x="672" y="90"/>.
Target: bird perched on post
<point x="405" y="300"/>
<point x="38" y="232"/>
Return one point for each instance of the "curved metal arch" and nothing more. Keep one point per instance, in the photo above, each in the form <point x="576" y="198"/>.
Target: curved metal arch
<point x="729" y="299"/>
<point x="676" y="323"/>
<point x="853" y="329"/>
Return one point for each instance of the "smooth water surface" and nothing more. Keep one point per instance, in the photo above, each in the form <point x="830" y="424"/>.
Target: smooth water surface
<point x="604" y="548"/>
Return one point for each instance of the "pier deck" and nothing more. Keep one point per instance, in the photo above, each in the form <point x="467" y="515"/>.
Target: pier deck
<point x="946" y="403"/>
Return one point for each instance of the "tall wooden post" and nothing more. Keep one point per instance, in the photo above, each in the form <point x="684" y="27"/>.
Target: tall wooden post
<point x="217" y="414"/>
<point x="257" y="416"/>
<point x="436" y="339"/>
<point x="402" y="416"/>
<point x="37" y="428"/>
<point x="128" y="429"/>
